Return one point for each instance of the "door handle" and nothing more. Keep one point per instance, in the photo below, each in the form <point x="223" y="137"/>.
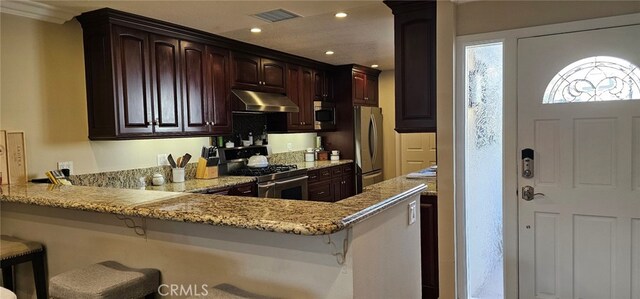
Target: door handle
<point x="528" y="193"/>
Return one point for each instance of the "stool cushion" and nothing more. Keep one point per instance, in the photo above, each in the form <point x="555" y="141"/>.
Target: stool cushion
<point x="11" y="247"/>
<point x="6" y="294"/>
<point x="227" y="291"/>
<point x="105" y="280"/>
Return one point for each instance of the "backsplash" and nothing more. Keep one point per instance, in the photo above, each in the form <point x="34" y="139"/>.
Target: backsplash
<point x="287" y="157"/>
<point x="129" y="178"/>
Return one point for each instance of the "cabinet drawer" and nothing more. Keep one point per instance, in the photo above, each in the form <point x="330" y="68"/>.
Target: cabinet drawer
<point x="348" y="168"/>
<point x="336" y="171"/>
<point x="321" y="191"/>
<point x="324" y="173"/>
<point x="244" y="190"/>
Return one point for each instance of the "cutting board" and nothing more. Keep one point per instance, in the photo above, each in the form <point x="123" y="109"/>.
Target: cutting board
<point x="17" y="158"/>
<point x="3" y="157"/>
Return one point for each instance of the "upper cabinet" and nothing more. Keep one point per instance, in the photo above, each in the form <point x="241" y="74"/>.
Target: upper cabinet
<point x="152" y="79"/>
<point x="300" y="89"/>
<point x="415" y="65"/>
<point x="323" y="82"/>
<point x="259" y="74"/>
<point x="359" y="84"/>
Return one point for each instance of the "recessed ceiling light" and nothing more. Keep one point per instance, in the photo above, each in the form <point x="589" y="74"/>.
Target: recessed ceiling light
<point x="374" y="66"/>
<point x="329" y="52"/>
<point x="341" y="15"/>
<point x="256" y="30"/>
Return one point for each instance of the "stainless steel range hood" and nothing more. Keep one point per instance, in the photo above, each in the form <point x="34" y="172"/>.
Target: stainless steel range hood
<point x="264" y="102"/>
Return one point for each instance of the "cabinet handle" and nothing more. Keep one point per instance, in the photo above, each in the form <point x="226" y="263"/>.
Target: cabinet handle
<point x="321" y="192"/>
<point x="146" y="123"/>
<point x="213" y="123"/>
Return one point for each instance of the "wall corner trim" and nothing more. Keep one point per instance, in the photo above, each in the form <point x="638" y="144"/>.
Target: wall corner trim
<point x="37" y="10"/>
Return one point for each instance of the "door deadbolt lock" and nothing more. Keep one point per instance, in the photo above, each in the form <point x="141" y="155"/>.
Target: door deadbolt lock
<point x="527" y="163"/>
<point x="528" y="193"/>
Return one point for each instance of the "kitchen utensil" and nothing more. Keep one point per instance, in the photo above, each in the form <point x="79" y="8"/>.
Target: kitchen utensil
<point x="185" y="160"/>
<point x="179" y="162"/>
<point x="157" y="179"/>
<point x="246" y="143"/>
<point x="258" y="161"/>
<point x="172" y="162"/>
<point x="178" y="174"/>
<point x="203" y="152"/>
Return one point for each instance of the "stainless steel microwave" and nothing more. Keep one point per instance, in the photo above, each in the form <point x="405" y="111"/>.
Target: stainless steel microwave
<point x="324" y="115"/>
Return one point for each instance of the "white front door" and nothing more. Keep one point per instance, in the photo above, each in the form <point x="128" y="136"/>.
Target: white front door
<point x="581" y="239"/>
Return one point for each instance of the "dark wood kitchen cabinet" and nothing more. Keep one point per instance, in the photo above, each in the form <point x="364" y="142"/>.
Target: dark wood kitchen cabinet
<point x="165" y="82"/>
<point x="361" y="83"/>
<point x="323" y="82"/>
<point x="206" y="89"/>
<point x="300" y="90"/>
<point x="133" y="81"/>
<point x="415" y="65"/>
<point x="247" y="189"/>
<point x="256" y="73"/>
<point x="148" y="78"/>
<point x="218" y="89"/>
<point x="331" y="184"/>
<point x="194" y="80"/>
<point x="429" y="246"/>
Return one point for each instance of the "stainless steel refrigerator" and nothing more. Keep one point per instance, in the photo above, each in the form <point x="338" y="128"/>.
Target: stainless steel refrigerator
<point x="368" y="135"/>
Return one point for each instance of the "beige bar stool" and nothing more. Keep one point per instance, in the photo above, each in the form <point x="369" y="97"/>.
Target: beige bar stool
<point x="106" y="280"/>
<point x="15" y="251"/>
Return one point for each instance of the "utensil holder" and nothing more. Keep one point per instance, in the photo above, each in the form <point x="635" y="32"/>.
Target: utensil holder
<point x="178" y="175"/>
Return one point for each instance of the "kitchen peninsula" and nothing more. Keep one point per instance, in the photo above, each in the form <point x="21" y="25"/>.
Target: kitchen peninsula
<point x="362" y="246"/>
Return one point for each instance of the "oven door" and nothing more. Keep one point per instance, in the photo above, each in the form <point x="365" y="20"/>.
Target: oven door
<point x="291" y="188"/>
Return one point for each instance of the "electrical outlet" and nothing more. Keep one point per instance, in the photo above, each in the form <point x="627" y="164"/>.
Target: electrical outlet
<point x="66" y="165"/>
<point x="413" y="212"/>
<point x="162" y="159"/>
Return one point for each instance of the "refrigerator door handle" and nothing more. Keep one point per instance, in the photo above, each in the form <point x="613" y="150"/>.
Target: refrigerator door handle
<point x="373" y="146"/>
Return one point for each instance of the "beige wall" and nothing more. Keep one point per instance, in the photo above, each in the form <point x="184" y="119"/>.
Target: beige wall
<point x="386" y="94"/>
<point x="487" y="16"/>
<point x="446" y="237"/>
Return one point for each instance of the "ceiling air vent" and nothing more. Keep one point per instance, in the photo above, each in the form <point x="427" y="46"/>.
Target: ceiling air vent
<point x="276" y="15"/>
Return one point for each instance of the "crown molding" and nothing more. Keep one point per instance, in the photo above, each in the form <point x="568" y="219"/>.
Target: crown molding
<point x="37" y="10"/>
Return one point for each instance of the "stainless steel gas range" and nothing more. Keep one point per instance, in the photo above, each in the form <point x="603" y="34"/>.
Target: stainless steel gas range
<point x="274" y="181"/>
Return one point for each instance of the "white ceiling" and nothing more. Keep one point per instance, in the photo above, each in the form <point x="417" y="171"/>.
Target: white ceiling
<point x="364" y="37"/>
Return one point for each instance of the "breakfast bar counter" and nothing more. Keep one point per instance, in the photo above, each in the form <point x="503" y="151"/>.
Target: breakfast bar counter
<point x="273" y="247"/>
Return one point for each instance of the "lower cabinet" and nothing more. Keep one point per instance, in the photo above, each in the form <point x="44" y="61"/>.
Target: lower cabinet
<point x="248" y="189"/>
<point x="331" y="184"/>
<point x="429" y="246"/>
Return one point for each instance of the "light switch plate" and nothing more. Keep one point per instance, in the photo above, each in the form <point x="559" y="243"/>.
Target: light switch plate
<point x="162" y="159"/>
<point x="413" y="212"/>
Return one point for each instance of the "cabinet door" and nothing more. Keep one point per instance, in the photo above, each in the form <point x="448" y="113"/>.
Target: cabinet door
<point x="338" y="185"/>
<point x="294" y="92"/>
<point x="306" y="101"/>
<point x="319" y="91"/>
<point x="273" y="76"/>
<point x="217" y="87"/>
<point x="349" y="186"/>
<point x="246" y="71"/>
<point x="359" y="88"/>
<point x="328" y="87"/>
<point x="372" y="91"/>
<point x="429" y="246"/>
<point x="321" y="191"/>
<point x="165" y="73"/>
<point x="132" y="71"/>
<point x="193" y="78"/>
<point x="250" y="190"/>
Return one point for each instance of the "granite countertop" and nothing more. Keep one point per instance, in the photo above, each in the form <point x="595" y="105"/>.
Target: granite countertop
<point x="431" y="182"/>
<point x="277" y="215"/>
<point x="203" y="185"/>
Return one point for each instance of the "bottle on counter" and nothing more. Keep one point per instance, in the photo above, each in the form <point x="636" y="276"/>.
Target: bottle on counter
<point x="310" y="155"/>
<point x="250" y="138"/>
